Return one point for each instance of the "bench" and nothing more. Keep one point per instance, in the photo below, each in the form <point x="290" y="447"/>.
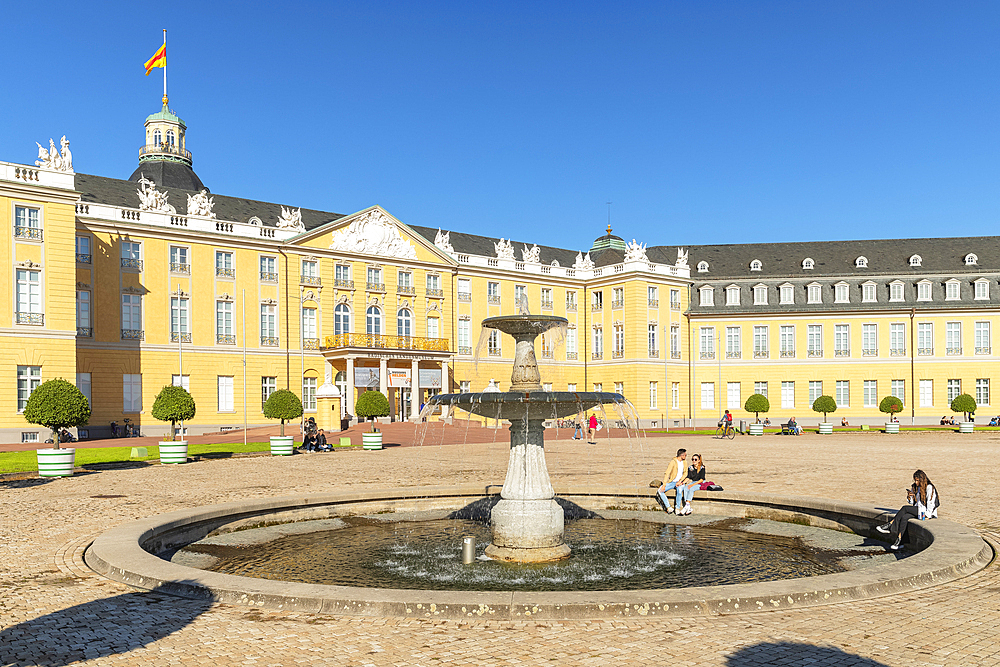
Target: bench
<point x="786" y="429"/>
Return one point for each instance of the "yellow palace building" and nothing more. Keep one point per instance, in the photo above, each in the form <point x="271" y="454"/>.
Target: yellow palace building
<point x="125" y="286"/>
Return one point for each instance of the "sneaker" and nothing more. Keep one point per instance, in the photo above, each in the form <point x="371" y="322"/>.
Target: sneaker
<point x="884" y="528"/>
<point x="898" y="544"/>
<point x="687" y="508"/>
<point x="670" y="509"/>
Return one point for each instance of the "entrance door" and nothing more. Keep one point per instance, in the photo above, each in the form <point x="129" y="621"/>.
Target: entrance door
<point x="405" y="404"/>
<point x="346" y="401"/>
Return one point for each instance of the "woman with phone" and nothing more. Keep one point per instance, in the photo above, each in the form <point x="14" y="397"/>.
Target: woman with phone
<point x="922" y="503"/>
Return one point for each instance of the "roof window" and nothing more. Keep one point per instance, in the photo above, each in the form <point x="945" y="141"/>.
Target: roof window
<point x="861" y="262"/>
<point x="808" y="263"/>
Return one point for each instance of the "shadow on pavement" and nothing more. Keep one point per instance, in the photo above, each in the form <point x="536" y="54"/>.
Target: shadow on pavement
<point x="792" y="654"/>
<point x="106" y="627"/>
<point x="25" y="483"/>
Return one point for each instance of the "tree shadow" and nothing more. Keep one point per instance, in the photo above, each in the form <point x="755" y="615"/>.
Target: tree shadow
<point x="105" y="627"/>
<point x="794" y="654"/>
<point x="25" y="483"/>
<point x="115" y="465"/>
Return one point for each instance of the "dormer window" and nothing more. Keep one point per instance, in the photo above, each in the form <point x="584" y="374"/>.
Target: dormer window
<point x="915" y="260"/>
<point x="760" y="295"/>
<point x="842" y="293"/>
<point x="896" y="291"/>
<point x="808" y="263"/>
<point x="786" y="294"/>
<point x="814" y="293"/>
<point x="861" y="262"/>
<point x="756" y="265"/>
<point x="924" y="290"/>
<point x="732" y="295"/>
<point x="952" y="290"/>
<point x="868" y="293"/>
<point x="170" y="138"/>
<point x="971" y="260"/>
<point x="706" y="296"/>
<point x="982" y="289"/>
<point x="702" y="267"/>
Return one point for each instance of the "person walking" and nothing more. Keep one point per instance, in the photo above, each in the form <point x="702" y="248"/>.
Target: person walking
<point x="578" y="432"/>
<point x="592" y="430"/>
<point x="922" y="503"/>
<point x="673" y="479"/>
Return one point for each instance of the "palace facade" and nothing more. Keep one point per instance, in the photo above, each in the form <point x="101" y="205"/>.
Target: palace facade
<point x="125" y="286"/>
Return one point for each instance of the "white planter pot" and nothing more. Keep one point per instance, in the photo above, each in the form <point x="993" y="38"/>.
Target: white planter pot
<point x="966" y="427"/>
<point x="892" y="427"/>
<point x="756" y="429"/>
<point x="175" y="451"/>
<point x="282" y="445"/>
<point x="371" y="440"/>
<point x="826" y="428"/>
<point x="56" y="462"/>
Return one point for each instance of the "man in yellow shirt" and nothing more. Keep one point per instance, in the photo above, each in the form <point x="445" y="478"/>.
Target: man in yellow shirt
<point x="675" y="476"/>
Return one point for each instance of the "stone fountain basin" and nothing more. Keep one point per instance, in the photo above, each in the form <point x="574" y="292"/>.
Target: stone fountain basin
<point x="527" y="405"/>
<point x="515" y="325"/>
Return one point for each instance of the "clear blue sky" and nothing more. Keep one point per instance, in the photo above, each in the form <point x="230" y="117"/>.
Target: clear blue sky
<point x="703" y="122"/>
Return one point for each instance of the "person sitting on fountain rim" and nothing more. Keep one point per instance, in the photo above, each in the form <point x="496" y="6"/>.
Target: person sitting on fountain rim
<point x="922" y="503"/>
<point x="673" y="479"/>
<point x="695" y="476"/>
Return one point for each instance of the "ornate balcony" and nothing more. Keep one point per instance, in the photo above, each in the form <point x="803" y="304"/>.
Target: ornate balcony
<point x="654" y="354"/>
<point x="706" y="355"/>
<point x="925" y="351"/>
<point x="225" y="339"/>
<point x="465" y="297"/>
<point x="37" y="319"/>
<point x="221" y="272"/>
<point x="953" y="351"/>
<point x="311" y="281"/>
<point x="131" y="263"/>
<point x="34" y="233"/>
<point x="617" y="354"/>
<point x="375" y="341"/>
<point x="654" y="303"/>
<point x="493" y="352"/>
<point x="814" y="354"/>
<point x="343" y="283"/>
<point x="546" y="305"/>
<point x="734" y="354"/>
<point x="133" y="334"/>
<point x="374" y="287"/>
<point x="434" y="292"/>
<point x="760" y="354"/>
<point x="596" y="355"/>
<point x="184" y="336"/>
<point x="165" y="148"/>
<point x="268" y="277"/>
<point x="310" y="343"/>
<point x="618" y="305"/>
<point x="84" y="332"/>
<point x="786" y="354"/>
<point x="596" y="307"/>
<point x="83" y="258"/>
<point x="897" y="352"/>
<point x="675" y="305"/>
<point x="465" y="349"/>
<point x="842" y="353"/>
<point x="269" y="341"/>
<point x="493" y="299"/>
<point x="406" y="290"/>
<point x="982" y="350"/>
<point x="546" y="354"/>
<point x="871" y="352"/>
<point x="571" y="356"/>
<point x="571" y="307"/>
<point x="177" y="267"/>
<point x="675" y="354"/>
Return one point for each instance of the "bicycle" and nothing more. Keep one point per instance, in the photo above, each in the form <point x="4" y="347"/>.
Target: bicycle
<point x="725" y="432"/>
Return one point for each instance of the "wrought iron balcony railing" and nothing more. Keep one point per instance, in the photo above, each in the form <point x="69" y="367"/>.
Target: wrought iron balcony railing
<point x="311" y="281"/>
<point x="786" y="354"/>
<point x="596" y="355"/>
<point x="225" y="339"/>
<point x="813" y="354"/>
<point x="982" y="350"/>
<point x="434" y="292"/>
<point x="870" y="352"/>
<point x="707" y="355"/>
<point x="675" y="354"/>
<point x="953" y="351"/>
<point x="546" y="305"/>
<point x="178" y="267"/>
<point x="85" y="332"/>
<point x="465" y="297"/>
<point x="493" y="352"/>
<point x="268" y="277"/>
<point x="654" y="303"/>
<point x="842" y="353"/>
<point x="184" y="336"/>
<point x="734" y="354"/>
<point x="493" y="299"/>
<point x="376" y="341"/>
<point x="222" y="272"/>
<point x="169" y="149"/>
<point x="897" y="352"/>
<point x="23" y="232"/>
<point x="571" y="356"/>
<point x="925" y="351"/>
<point x="617" y="354"/>
<point x="310" y="343"/>
<point x="571" y="306"/>
<point x="654" y="353"/>
<point x="760" y="354"/>
<point x="131" y="263"/>
<point x="37" y="319"/>
<point x="83" y="258"/>
<point x="596" y="307"/>
<point x="133" y="334"/>
<point x="618" y="304"/>
<point x="269" y="341"/>
<point x="465" y="349"/>
<point x="374" y="287"/>
<point x="406" y="290"/>
<point x="344" y="283"/>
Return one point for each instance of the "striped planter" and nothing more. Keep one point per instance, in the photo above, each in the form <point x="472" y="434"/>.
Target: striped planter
<point x="966" y="427"/>
<point x="175" y="451"/>
<point x="756" y="429"/>
<point x="892" y="427"/>
<point x="56" y="462"/>
<point x="282" y="445"/>
<point x="371" y="440"/>
<point x="826" y="428"/>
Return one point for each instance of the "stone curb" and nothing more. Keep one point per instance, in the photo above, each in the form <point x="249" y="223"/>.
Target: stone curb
<point x="125" y="554"/>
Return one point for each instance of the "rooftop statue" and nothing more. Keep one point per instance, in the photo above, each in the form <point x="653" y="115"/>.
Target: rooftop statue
<point x="583" y="263"/>
<point x="51" y="158"/>
<point x="151" y="199"/>
<point x="290" y="219"/>
<point x="635" y="252"/>
<point x="201" y="204"/>
<point x="682" y="257"/>
<point x="443" y="241"/>
<point x="373" y="233"/>
<point x="505" y="250"/>
<point x="530" y="254"/>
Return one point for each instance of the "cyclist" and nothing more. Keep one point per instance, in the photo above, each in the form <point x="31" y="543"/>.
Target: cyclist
<point x="727" y="420"/>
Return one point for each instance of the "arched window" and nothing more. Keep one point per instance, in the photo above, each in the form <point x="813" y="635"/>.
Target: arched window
<point x="342" y="319"/>
<point x="861" y="262"/>
<point x="808" y="263"/>
<point x="915" y="260"/>
<point x="157" y="137"/>
<point x="170" y="138"/>
<point x="971" y="259"/>
<point x="702" y="267"/>
<point x="373" y="321"/>
<point x="756" y="265"/>
<point x="404" y="322"/>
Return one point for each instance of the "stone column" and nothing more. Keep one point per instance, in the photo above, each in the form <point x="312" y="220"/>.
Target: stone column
<point x="415" y="390"/>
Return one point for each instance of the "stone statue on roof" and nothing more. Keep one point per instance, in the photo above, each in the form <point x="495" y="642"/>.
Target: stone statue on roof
<point x="201" y="204"/>
<point x="530" y="254"/>
<point x="682" y="257"/>
<point x="50" y="158"/>
<point x="151" y="199"/>
<point x="443" y="241"/>
<point x="635" y="252"/>
<point x="290" y="219"/>
<point x="583" y="263"/>
<point x="504" y="249"/>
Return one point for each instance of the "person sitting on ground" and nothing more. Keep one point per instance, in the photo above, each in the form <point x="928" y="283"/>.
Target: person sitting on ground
<point x="767" y="421"/>
<point x="794" y="426"/>
<point x="922" y="503"/>
<point x="695" y="476"/>
<point x="993" y="422"/>
<point x="308" y="442"/>
<point x="844" y="422"/>
<point x="321" y="443"/>
<point x="894" y="419"/>
<point x="673" y="479"/>
<point x="944" y="420"/>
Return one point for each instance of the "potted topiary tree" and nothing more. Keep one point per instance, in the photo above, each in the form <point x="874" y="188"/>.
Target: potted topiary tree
<point x="756" y="404"/>
<point x="283" y="405"/>
<point x="891" y="405"/>
<point x="173" y="404"/>
<point x="56" y="404"/>
<point x="825" y="404"/>
<point x="962" y="403"/>
<point x="372" y="404"/>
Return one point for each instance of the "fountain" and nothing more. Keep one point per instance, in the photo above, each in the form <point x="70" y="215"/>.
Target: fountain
<point x="527" y="521"/>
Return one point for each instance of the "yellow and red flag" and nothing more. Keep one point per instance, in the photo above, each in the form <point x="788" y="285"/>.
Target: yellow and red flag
<point x="159" y="59"/>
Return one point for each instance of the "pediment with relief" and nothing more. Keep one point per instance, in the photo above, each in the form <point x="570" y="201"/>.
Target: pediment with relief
<point x="373" y="233"/>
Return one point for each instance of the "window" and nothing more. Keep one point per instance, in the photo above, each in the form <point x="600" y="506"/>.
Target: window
<point x="787" y="394"/>
<point x="183" y="381"/>
<point x="571" y="343"/>
<point x="268" y="385"/>
<point x="927" y="393"/>
<point x="706" y="296"/>
<point x="675" y="299"/>
<point x="432" y="327"/>
<point x="310" y="270"/>
<point x="309" y="331"/>
<point x="814" y="340"/>
<point x="404" y="322"/>
<point x="28" y="378"/>
<point x="170" y="138"/>
<point x="374" y="275"/>
<point x="157" y="137"/>
<point x="841" y="340"/>
<point x="786" y="294"/>
<point x="924" y="290"/>
<point x="951" y="290"/>
<point x="843" y="396"/>
<point x="760" y="388"/>
<point x="897" y="388"/>
<point x="464" y="346"/>
<point x="954" y="389"/>
<point x="547" y="386"/>
<point x="982" y="337"/>
<point x="971" y="260"/>
<point x="925" y="338"/>
<point x="982" y="391"/>
<point x="953" y="338"/>
<point x="404" y="282"/>
<point x="179" y="261"/>
<point x="29" y="297"/>
<point x="83" y="250"/>
<point x="596" y="300"/>
<point x="808" y="263"/>
<point x="433" y="284"/>
<point x="342" y="276"/>
<point x="131" y="313"/>
<point x="897" y="340"/>
<point x="464" y="386"/>
<point x="309" y="394"/>
<point x="707" y="395"/>
<point x="652" y="396"/>
<point x="598" y="351"/>
<point x="703" y="267"/>
<point x="618" y="297"/>
<point x="915" y="260"/>
<point x="707" y="339"/>
<point x="619" y="388"/>
<point x="547" y="298"/>
<point x="132" y="393"/>
<point x="814" y="293"/>
<point x="493" y="343"/>
<point x="131" y="250"/>
<point x="26" y="223"/>
<point x="760" y="347"/>
<point x="756" y="265"/>
<point x="895" y="291"/>
<point x="760" y="295"/>
<point x="675" y="341"/>
<point x="841" y="293"/>
<point x="571" y="386"/>
<point x="571" y="301"/>
<point x="652" y="297"/>
<point x="733" y="343"/>
<point x="373" y="321"/>
<point x="267" y="324"/>
<point x="342" y="319"/>
<point x="493" y="293"/>
<point x="815" y="390"/>
<point x="870" y="394"/>
<point x="733" y="396"/>
<point x="519" y="295"/>
<point x="179" y="320"/>
<point x="83" y="383"/>
<point x="869" y="340"/>
<point x="868" y="293"/>
<point x="619" y="341"/>
<point x="654" y="349"/>
<point x="675" y="395"/>
<point x="268" y="269"/>
<point x="225" y="393"/>
<point x="982" y="289"/>
<point x="598" y="386"/>
<point x="786" y="341"/>
<point x="732" y="296"/>
<point x="861" y="262"/>
<point x="224" y="264"/>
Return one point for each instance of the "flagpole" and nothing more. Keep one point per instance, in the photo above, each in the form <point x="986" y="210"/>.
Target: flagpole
<point x="164" y="67"/>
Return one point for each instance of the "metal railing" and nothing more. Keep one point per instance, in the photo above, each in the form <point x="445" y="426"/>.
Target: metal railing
<point x="786" y="354"/>
<point x="269" y="341"/>
<point x="131" y="263"/>
<point x="735" y="354"/>
<point x="375" y="287"/>
<point x="312" y="281"/>
<point x="24" y="232"/>
<point x="982" y="350"/>
<point x="897" y="352"/>
<point x="465" y="297"/>
<point x="813" y="354"/>
<point x="178" y="267"/>
<point x="493" y="299"/>
<point x="546" y="305"/>
<point x="493" y="352"/>
<point x="406" y="290"/>
<point x="760" y="354"/>
<point x="310" y="343"/>
<point x="675" y="354"/>
<point x="133" y="334"/>
<point x="842" y="353"/>
<point x="184" y="336"/>
<point x="84" y="332"/>
<point x="169" y="149"/>
<point x="343" y="282"/>
<point x="435" y="292"/>
<point x="953" y="351"/>
<point x="268" y="277"/>
<point x="465" y="349"/>
<point x="706" y="355"/>
<point x="596" y="355"/>
<point x="870" y="352"/>
<point x="571" y="307"/>
<point x="571" y="356"/>
<point x="596" y="307"/>
<point x="618" y="305"/>
<point x="83" y="258"/>
<point x="675" y="305"/>
<point x="221" y="272"/>
<point x="225" y="339"/>
<point x="654" y="303"/>
<point x="29" y="318"/>
<point x="546" y="354"/>
<point x="617" y="354"/>
<point x="925" y="351"/>
<point x="378" y="341"/>
<point x="654" y="354"/>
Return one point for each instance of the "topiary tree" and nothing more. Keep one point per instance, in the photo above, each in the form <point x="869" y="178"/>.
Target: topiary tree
<point x="890" y="405"/>
<point x="173" y="404"/>
<point x="372" y="404"/>
<point x="283" y="405"/>
<point x="825" y="404"/>
<point x="756" y="404"/>
<point x="57" y="404"/>
<point x="961" y="403"/>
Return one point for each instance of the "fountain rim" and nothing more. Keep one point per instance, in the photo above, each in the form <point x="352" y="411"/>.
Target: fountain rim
<point x="120" y="554"/>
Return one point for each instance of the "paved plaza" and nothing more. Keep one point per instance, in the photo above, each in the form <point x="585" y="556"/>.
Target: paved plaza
<point x="54" y="611"/>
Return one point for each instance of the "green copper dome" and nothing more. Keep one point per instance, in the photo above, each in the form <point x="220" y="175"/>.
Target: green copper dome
<point x="167" y="115"/>
<point x="608" y="242"/>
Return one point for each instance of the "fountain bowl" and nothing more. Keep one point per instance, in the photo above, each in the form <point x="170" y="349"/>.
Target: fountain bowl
<point x="527" y="404"/>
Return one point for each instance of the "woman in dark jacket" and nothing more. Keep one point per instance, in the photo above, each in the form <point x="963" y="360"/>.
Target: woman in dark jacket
<point x="695" y="476"/>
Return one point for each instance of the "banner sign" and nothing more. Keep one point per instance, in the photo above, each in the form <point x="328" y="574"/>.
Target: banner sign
<point x="430" y="377"/>
<point x="399" y="377"/>
<point x="366" y="377"/>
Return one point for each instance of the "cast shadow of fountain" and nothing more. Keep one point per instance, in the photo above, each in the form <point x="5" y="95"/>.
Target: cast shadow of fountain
<point x="97" y="629"/>
<point x="479" y="510"/>
<point x="795" y="654"/>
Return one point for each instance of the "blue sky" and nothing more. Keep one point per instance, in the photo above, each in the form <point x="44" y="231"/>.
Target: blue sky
<point x="703" y="122"/>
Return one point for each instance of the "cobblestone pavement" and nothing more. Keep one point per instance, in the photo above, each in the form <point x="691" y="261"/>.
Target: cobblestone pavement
<point x="53" y="611"/>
